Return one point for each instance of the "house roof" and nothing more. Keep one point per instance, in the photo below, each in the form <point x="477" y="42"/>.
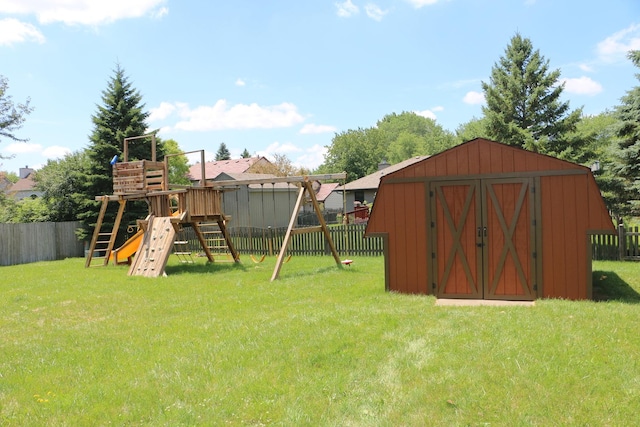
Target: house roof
<point x="213" y="169"/>
<point x="371" y="182"/>
<point x="267" y="186"/>
<point x="24" y="184"/>
<point x="325" y="190"/>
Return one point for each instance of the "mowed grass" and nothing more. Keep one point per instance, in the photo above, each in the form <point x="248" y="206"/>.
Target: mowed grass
<point x="221" y="345"/>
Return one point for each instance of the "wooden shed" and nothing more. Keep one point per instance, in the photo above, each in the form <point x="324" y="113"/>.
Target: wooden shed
<point x="486" y="220"/>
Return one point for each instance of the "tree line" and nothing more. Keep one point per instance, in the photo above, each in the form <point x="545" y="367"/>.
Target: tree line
<point x="523" y="108"/>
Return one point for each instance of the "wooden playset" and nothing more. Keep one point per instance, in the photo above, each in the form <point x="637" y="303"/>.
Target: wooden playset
<point x="172" y="207"/>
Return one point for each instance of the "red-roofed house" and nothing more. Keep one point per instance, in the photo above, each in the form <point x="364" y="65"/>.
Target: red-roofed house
<point x="233" y="166"/>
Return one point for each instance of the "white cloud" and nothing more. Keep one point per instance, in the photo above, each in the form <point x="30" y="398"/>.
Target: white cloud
<point x="278" y="148"/>
<point x="23" y="147"/>
<point x="616" y="46"/>
<point x="240" y="82"/>
<point x="161" y="112"/>
<point x="84" y="12"/>
<point x="309" y="158"/>
<point x="55" y="152"/>
<point x="52" y="152"/>
<point x="586" y="68"/>
<point x="420" y="3"/>
<point x="14" y="31"/>
<point x="312" y="157"/>
<point x="582" y="86"/>
<point x="430" y="113"/>
<point x="311" y="128"/>
<point x="473" y="98"/>
<point x="346" y="9"/>
<point x="426" y="113"/>
<point x="223" y="116"/>
<point x="374" y="12"/>
<point x="159" y="13"/>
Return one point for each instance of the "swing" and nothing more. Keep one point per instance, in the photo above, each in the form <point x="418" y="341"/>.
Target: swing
<point x="253" y="258"/>
<point x="273" y="196"/>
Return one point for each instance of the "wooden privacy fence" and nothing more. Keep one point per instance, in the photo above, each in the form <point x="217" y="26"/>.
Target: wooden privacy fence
<point x="348" y="239"/>
<point x="622" y="246"/>
<point x="39" y="241"/>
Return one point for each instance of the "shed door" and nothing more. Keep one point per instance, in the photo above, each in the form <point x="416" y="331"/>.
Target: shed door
<point x="483" y="239"/>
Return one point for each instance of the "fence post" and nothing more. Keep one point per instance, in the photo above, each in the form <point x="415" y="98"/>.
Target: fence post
<point x="621" y="242"/>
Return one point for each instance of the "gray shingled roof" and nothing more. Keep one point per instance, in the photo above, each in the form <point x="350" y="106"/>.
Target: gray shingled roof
<point x="371" y="182"/>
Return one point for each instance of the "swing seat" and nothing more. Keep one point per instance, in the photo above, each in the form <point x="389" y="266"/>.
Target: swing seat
<point x="346" y="262"/>
<point x="257" y="261"/>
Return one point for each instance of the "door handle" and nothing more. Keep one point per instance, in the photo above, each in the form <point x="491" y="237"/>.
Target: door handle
<point x="482" y="232"/>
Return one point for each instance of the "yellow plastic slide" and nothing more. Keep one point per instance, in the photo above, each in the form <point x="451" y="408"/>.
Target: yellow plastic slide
<point x="128" y="248"/>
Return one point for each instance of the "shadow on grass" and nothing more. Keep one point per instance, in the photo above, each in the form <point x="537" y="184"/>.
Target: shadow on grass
<point x="608" y="286"/>
<point x="317" y="270"/>
<point x="210" y="267"/>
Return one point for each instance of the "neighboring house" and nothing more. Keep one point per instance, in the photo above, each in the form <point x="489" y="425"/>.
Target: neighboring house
<point x="329" y="197"/>
<point x="364" y="189"/>
<point x="258" y="205"/>
<point x="234" y="166"/>
<point x="25" y="187"/>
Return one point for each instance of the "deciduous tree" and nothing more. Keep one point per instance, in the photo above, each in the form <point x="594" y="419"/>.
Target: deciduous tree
<point x="178" y="164"/>
<point x="62" y="183"/>
<point x="12" y="116"/>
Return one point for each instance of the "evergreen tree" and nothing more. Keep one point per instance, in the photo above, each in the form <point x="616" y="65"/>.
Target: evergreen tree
<point x="628" y="134"/>
<point x="120" y="116"/>
<point x="523" y="101"/>
<point x="245" y="154"/>
<point x="223" y="152"/>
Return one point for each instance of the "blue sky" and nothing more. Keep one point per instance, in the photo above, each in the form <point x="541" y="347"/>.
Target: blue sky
<point x="284" y="76"/>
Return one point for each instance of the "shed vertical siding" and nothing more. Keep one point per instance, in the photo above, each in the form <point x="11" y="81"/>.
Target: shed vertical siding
<point x="565" y="218"/>
<point x="566" y="205"/>
<point x="404" y="212"/>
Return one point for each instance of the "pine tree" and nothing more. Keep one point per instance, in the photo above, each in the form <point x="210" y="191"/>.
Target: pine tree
<point x="120" y="116"/>
<point x="245" y="154"/>
<point x="628" y="134"/>
<point x="223" y="152"/>
<point x="523" y="101"/>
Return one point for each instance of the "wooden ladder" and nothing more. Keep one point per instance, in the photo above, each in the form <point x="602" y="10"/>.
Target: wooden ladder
<point x="102" y="242"/>
<point x="216" y="241"/>
<point x="181" y="248"/>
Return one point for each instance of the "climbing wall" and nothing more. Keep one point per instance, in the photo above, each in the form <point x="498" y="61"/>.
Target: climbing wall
<point x="155" y="248"/>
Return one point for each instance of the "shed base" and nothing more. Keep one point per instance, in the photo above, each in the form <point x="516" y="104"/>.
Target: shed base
<point x="471" y="302"/>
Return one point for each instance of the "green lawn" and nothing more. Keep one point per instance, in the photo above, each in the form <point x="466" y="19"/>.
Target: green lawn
<point x="221" y="345"/>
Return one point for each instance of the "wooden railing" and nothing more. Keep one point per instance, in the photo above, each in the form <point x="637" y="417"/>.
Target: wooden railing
<point x="625" y="245"/>
<point x="348" y="240"/>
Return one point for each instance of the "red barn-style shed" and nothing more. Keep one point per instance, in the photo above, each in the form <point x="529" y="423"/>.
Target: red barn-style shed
<point x="486" y="220"/>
